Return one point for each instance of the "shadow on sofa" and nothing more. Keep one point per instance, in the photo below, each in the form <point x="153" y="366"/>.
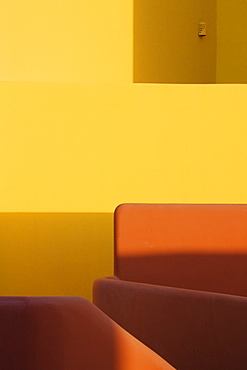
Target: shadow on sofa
<point x="61" y="333"/>
<point x="180" y="282"/>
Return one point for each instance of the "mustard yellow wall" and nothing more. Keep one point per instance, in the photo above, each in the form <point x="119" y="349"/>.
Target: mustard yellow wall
<point x="167" y="47"/>
<point x="70" y="40"/>
<point x="46" y="254"/>
<point x="231" y="41"/>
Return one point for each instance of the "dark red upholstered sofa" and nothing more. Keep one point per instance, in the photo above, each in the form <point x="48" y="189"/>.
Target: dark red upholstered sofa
<point x="180" y="283"/>
<point x="49" y="333"/>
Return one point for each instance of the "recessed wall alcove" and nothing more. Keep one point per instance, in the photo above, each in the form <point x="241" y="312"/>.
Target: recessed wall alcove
<point x="167" y="48"/>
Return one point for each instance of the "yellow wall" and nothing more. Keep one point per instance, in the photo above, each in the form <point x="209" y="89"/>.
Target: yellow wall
<point x="167" y="47"/>
<point x="54" y="253"/>
<point x="92" y="41"/>
<point x="69" y="40"/>
<point x="71" y="152"/>
<point x="87" y="148"/>
<point x="231" y="41"/>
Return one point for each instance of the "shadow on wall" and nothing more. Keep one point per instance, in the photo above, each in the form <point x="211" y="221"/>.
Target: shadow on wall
<point x="167" y="48"/>
<point x="47" y="254"/>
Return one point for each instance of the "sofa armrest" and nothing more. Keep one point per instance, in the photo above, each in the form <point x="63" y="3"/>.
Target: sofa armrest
<point x="67" y="334"/>
<point x="190" y="329"/>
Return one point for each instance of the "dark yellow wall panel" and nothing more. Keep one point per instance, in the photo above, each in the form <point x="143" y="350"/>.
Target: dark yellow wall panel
<point x="231" y="41"/>
<point x="54" y="254"/>
<point x="167" y="48"/>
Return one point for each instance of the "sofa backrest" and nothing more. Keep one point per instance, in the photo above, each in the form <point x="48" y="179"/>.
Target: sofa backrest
<point x="192" y="246"/>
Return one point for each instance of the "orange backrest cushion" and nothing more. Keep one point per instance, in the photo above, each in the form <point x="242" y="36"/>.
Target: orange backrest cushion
<point x="194" y="246"/>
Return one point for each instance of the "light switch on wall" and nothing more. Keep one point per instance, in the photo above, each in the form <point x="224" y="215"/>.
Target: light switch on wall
<point x="202" y="29"/>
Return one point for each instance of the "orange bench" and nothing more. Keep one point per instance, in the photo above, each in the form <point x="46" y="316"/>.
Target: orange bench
<point x="180" y="283"/>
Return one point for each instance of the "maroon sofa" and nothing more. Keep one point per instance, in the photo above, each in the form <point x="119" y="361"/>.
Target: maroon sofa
<point x="49" y="333"/>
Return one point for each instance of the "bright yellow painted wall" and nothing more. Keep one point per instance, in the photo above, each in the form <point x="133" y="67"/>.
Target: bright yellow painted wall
<point x="231" y="41"/>
<point x="167" y="47"/>
<point x="69" y="40"/>
<point x="87" y="148"/>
